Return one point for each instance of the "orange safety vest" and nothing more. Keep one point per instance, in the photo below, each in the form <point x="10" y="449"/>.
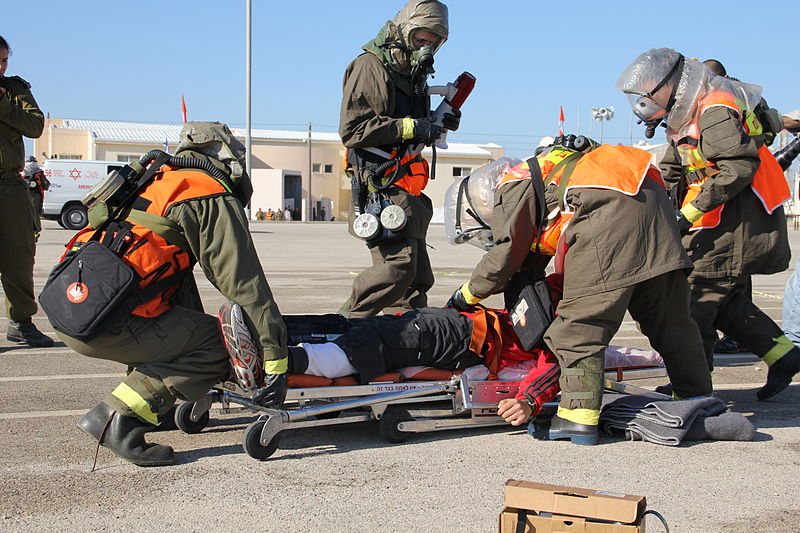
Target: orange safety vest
<point x="768" y="183"/>
<point x="417" y="175"/>
<point x="616" y="168"/>
<point x="149" y="254"/>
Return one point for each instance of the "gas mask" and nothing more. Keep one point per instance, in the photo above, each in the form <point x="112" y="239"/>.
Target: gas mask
<point x="647" y="109"/>
<point x="422" y="58"/>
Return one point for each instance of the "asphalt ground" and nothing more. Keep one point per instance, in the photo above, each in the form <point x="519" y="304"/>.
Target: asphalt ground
<point x="345" y="478"/>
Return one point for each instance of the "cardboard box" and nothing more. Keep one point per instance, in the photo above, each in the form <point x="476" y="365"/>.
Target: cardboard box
<point x="559" y="509"/>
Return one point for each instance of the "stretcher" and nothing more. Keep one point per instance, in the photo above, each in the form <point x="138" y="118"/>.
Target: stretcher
<point x="402" y="408"/>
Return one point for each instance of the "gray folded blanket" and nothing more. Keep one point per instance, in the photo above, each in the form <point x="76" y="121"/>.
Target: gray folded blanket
<point x="670" y="423"/>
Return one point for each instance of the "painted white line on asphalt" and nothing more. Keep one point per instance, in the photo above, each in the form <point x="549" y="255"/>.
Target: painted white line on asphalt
<point x="22" y="348"/>
<point x="61" y="376"/>
<point x="41" y="414"/>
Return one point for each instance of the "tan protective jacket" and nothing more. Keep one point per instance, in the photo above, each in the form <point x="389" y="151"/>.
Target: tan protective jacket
<point x="747" y="240"/>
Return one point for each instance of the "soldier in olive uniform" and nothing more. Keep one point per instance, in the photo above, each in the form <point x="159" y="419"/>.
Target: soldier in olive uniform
<point x="19" y="116"/>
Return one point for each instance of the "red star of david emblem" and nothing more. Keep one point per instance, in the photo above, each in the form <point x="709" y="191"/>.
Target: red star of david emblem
<point x="75" y="173"/>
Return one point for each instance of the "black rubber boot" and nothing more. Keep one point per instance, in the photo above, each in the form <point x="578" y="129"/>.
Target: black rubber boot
<point x="780" y="374"/>
<point x="124" y="435"/>
<point x="26" y="331"/>
<point x="561" y="428"/>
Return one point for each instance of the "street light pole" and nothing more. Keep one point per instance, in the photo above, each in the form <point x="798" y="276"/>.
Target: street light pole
<point x="310" y="177"/>
<point x="600" y="113"/>
<point x="248" y="91"/>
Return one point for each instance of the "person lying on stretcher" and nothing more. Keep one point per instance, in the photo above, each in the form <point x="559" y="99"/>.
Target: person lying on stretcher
<point x="445" y="339"/>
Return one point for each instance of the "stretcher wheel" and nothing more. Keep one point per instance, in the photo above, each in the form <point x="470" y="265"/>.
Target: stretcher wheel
<point x="183" y="418"/>
<point x="251" y="442"/>
<point x="387" y="426"/>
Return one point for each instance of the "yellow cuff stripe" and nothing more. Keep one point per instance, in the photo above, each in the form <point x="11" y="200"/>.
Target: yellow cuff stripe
<point x="588" y="417"/>
<point x="408" y="128"/>
<point x="691" y="212"/>
<point x="782" y="346"/>
<point x="134" y="400"/>
<point x="278" y="366"/>
<point x="468" y="296"/>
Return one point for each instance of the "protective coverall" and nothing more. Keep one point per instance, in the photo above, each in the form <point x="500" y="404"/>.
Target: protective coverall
<point x="172" y="348"/>
<point x="620" y="252"/>
<point x="386" y="106"/>
<point x="727" y="186"/>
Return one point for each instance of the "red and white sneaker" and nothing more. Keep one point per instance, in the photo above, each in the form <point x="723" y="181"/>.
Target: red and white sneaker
<point x="248" y="368"/>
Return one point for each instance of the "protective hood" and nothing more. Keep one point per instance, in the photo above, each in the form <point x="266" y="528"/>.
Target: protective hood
<point x="214" y="142"/>
<point x="691" y="86"/>
<point x="393" y="45"/>
<point x="469" y="203"/>
<point x="31" y="167"/>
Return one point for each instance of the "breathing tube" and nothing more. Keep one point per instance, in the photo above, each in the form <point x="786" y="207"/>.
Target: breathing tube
<point x="191" y="163"/>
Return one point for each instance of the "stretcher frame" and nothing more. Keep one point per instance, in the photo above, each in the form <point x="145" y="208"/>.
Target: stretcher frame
<point x="401" y="409"/>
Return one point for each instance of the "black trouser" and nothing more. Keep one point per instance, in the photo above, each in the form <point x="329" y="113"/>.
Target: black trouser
<point x="423" y="337"/>
<point x="725" y="304"/>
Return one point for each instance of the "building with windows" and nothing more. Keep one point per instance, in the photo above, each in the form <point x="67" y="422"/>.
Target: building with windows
<point x="299" y="169"/>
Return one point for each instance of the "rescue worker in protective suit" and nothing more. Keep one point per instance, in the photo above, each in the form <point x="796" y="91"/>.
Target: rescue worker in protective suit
<point x="729" y="191"/>
<point x="19" y="116"/>
<point x="385" y="123"/>
<point x="181" y="217"/>
<point x="610" y="227"/>
<point x="37" y="184"/>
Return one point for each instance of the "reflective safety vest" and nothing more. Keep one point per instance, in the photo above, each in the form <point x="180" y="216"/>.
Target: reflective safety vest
<point x="139" y="233"/>
<point x="417" y="173"/>
<point x="769" y="183"/>
<point x="616" y="168"/>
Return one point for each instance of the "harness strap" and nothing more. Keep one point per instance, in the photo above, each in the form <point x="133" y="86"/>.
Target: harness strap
<point x="161" y="226"/>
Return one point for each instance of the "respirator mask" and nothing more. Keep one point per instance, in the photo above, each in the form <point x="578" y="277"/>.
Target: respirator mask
<point x="647" y="109"/>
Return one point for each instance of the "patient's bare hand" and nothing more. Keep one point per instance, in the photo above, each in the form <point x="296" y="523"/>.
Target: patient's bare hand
<point x="515" y="412"/>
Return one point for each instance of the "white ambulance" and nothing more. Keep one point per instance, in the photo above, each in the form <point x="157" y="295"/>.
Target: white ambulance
<point x="70" y="180"/>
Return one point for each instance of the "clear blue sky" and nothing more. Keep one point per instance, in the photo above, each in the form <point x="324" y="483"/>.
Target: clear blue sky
<point x="131" y="61"/>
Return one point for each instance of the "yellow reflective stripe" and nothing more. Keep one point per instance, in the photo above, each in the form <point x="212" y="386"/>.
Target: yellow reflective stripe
<point x="134" y="400"/>
<point x="470" y="298"/>
<point x="278" y="366"/>
<point x="782" y="346"/>
<point x="691" y="212"/>
<point x="408" y="128"/>
<point x="587" y="417"/>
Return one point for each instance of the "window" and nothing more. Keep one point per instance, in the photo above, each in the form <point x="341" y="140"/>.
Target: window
<point x="127" y="158"/>
<point x="68" y="156"/>
<point x="328" y="169"/>
<point x="316" y="168"/>
<point x="461" y="171"/>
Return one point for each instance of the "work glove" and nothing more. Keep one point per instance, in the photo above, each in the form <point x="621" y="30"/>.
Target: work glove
<point x="425" y="131"/>
<point x="683" y="223"/>
<point x="462" y="299"/>
<point x="273" y="393"/>
<point x="451" y="119"/>
<point x="686" y="217"/>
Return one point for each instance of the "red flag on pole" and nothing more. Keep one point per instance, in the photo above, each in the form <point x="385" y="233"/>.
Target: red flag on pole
<point x="561" y="120"/>
<point x="183" y="109"/>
